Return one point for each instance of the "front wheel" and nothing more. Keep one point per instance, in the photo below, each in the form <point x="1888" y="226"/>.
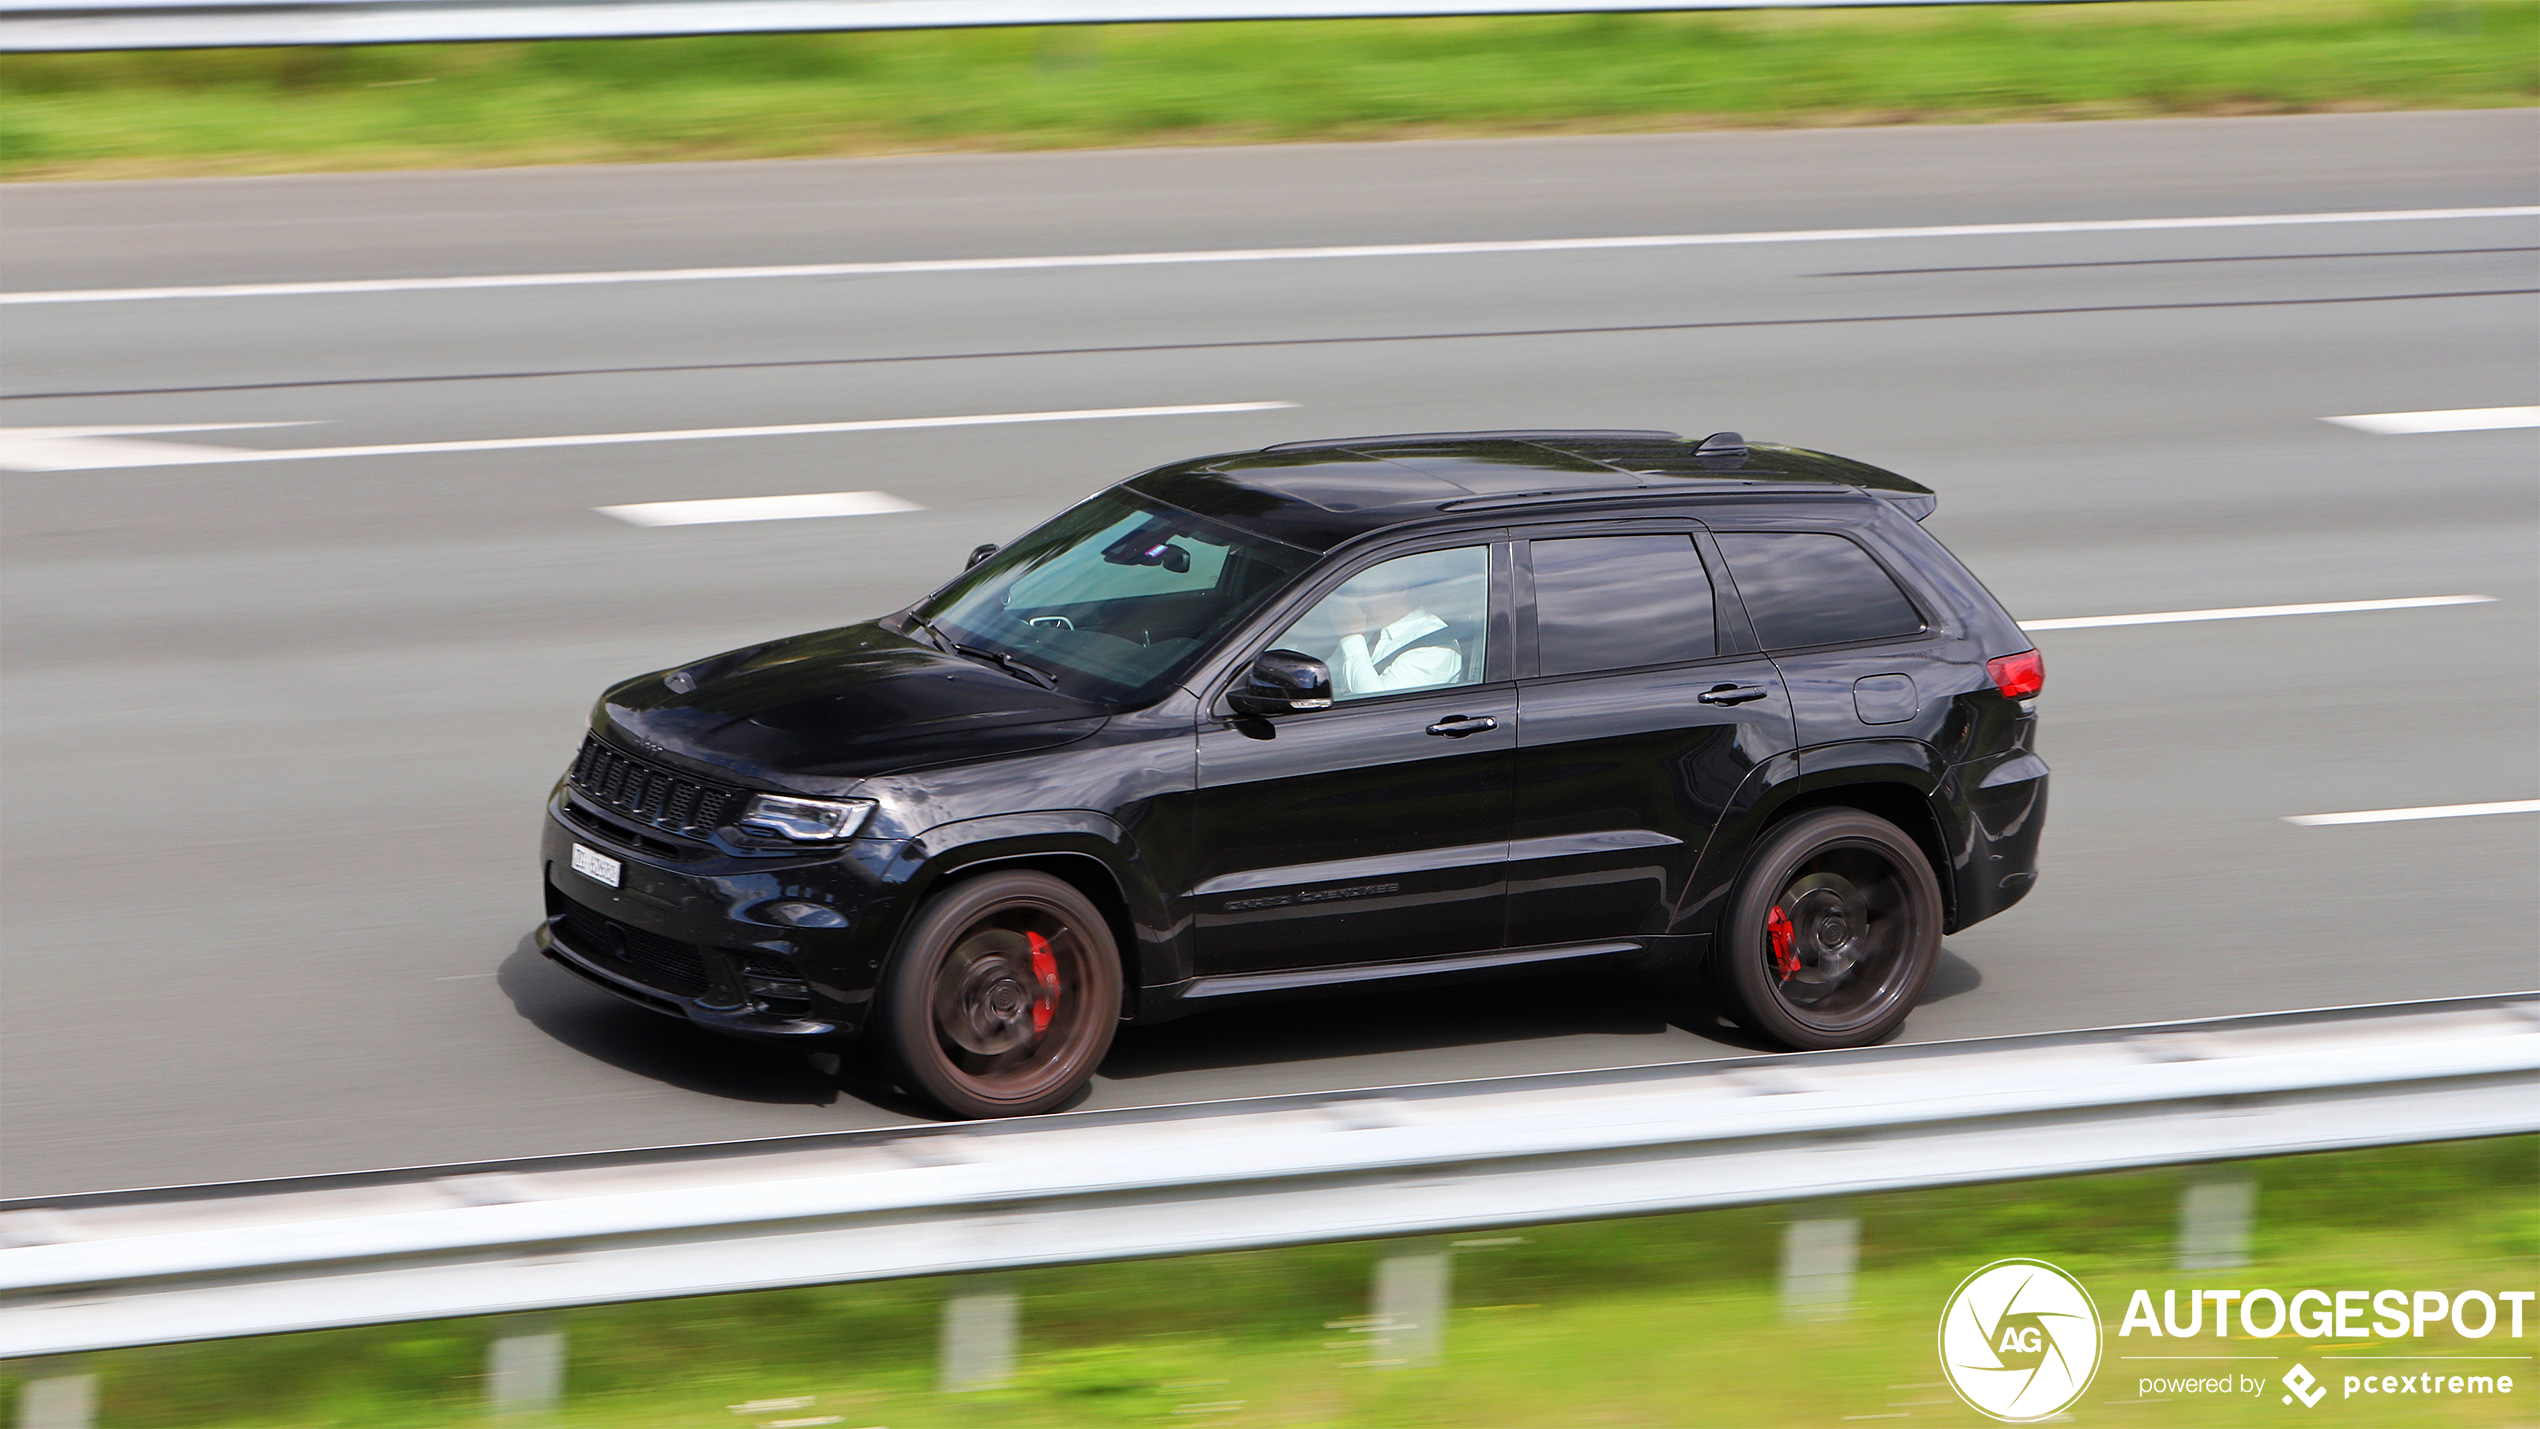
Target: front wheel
<point x="1002" y="997"/>
<point x="1832" y="932"/>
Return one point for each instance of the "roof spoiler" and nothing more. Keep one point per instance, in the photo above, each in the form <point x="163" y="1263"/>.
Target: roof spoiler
<point x="1728" y="449"/>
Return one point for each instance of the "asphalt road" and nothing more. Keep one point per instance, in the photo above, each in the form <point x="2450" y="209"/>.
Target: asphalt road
<point x="276" y="733"/>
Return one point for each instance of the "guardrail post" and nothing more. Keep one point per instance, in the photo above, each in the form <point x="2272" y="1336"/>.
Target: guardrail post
<point x="2214" y="1220"/>
<point x="981" y="1327"/>
<point x="1411" y="1308"/>
<point x="524" y="1369"/>
<point x="61" y="1401"/>
<point x="1817" y="1263"/>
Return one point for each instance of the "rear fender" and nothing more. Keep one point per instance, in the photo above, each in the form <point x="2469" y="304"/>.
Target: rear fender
<point x="1894" y="779"/>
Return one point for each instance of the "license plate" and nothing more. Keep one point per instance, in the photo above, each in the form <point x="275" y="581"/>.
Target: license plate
<point x="595" y="866"/>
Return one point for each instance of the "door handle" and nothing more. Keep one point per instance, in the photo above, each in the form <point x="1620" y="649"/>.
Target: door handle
<point x="1462" y="725"/>
<point x="1732" y="694"/>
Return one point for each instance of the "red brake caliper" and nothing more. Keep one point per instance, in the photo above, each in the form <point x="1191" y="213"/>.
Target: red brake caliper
<point x="1045" y="972"/>
<point x="1777" y="932"/>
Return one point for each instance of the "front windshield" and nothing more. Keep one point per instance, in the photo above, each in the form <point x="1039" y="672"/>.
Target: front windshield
<point x="1115" y="596"/>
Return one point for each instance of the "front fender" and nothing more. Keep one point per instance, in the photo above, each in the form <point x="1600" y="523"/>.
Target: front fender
<point x="1067" y="840"/>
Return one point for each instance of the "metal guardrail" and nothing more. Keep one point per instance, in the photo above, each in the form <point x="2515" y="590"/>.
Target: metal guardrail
<point x="204" y="24"/>
<point x="95" y="1272"/>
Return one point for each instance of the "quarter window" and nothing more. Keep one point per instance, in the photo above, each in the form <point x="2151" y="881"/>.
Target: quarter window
<point x="1810" y="588"/>
<point x="1608" y="602"/>
<point x="1412" y="623"/>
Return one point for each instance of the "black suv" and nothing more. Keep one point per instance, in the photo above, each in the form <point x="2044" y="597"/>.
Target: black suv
<point x="1328" y="713"/>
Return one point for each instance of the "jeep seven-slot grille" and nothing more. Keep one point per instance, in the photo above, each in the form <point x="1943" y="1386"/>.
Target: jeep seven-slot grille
<point x="649" y="958"/>
<point x="649" y="794"/>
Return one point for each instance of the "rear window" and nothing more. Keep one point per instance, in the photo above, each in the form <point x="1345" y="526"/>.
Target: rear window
<point x="1808" y="588"/>
<point x="1608" y="602"/>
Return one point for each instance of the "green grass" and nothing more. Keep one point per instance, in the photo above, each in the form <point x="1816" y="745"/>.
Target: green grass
<point x="264" y="111"/>
<point x="1662" y="1321"/>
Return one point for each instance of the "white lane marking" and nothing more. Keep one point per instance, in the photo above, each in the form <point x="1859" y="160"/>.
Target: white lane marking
<point x="2464" y="419"/>
<point x="2253" y="612"/>
<point x="1245" y="255"/>
<point x="43" y="449"/>
<point x="2431" y="811"/>
<point x="759" y="508"/>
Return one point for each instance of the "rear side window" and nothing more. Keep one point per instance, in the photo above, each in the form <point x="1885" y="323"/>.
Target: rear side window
<point x="1807" y="588"/>
<point x="1607" y="602"/>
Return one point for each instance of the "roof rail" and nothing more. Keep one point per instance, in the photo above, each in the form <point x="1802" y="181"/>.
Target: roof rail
<point x="1808" y="487"/>
<point x="1443" y="438"/>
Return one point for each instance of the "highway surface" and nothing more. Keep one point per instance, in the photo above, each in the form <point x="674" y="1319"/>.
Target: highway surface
<point x="276" y="731"/>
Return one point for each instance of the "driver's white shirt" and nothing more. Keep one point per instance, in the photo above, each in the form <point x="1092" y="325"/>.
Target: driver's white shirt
<point x="1355" y="671"/>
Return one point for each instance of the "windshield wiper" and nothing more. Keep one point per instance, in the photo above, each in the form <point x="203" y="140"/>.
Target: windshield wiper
<point x="1020" y="669"/>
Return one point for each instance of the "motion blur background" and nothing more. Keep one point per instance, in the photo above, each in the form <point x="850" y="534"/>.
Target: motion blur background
<point x="278" y="721"/>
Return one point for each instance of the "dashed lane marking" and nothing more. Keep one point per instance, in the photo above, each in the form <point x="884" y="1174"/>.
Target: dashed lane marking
<point x="759" y="508"/>
<point x="2430" y="811"/>
<point x="2459" y="419"/>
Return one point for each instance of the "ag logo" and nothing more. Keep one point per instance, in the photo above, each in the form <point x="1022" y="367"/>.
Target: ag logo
<point x="2019" y="1340"/>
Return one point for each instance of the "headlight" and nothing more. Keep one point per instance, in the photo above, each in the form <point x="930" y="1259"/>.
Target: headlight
<point x="804" y="820"/>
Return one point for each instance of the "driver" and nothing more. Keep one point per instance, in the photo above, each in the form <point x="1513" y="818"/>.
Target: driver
<point x="1398" y="645"/>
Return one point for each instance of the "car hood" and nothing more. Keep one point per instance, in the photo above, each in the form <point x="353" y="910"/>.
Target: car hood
<point x="817" y="712"/>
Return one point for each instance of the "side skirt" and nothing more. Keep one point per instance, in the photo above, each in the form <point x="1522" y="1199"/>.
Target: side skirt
<point x="1209" y="989"/>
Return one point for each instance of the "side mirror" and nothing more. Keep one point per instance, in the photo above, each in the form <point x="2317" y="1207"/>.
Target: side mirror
<point x="978" y="554"/>
<point x="1283" y="682"/>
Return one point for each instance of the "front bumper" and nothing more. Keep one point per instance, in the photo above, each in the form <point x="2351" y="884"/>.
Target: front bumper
<point x="689" y="937"/>
<point x="716" y="1011"/>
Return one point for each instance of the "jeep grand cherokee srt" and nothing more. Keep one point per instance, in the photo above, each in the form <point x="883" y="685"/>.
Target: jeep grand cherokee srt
<point x="1328" y="713"/>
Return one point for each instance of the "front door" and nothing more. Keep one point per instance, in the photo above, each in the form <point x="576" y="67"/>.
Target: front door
<point x="1376" y="830"/>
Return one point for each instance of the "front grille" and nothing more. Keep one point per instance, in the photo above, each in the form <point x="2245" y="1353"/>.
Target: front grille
<point x="583" y="816"/>
<point x="649" y="794"/>
<point x="649" y="958"/>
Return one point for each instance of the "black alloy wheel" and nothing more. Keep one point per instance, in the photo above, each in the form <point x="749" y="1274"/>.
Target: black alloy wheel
<point x="1002" y="997"/>
<point x="1832" y="933"/>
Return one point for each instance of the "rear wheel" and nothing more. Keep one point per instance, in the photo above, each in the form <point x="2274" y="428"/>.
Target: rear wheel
<point x="1002" y="997"/>
<point x="1832" y="933"/>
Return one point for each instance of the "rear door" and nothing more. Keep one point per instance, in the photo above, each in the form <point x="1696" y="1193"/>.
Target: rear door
<point x="1641" y="711"/>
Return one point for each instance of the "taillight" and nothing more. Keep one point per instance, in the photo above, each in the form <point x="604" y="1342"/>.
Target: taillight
<point x="2018" y="676"/>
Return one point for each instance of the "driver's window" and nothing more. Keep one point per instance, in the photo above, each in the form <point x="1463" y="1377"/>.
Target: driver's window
<point x="1411" y="623"/>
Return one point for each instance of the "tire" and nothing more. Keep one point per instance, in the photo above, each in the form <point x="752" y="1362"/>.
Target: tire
<point x="1832" y="932"/>
<point x="1001" y="998"/>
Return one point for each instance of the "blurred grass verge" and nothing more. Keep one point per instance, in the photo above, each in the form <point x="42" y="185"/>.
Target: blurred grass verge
<point x="182" y="113"/>
<point x="1661" y="1321"/>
